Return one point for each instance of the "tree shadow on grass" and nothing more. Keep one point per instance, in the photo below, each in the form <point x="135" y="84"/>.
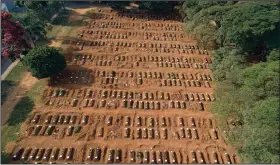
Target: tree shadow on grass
<point x="21" y="111"/>
<point x="5" y="157"/>
<point x="6" y="86"/>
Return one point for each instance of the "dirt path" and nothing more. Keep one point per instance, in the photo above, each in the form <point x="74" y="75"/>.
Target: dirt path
<point x="16" y="94"/>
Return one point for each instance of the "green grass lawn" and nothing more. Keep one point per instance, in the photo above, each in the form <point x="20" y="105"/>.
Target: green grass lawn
<point x="15" y="76"/>
<point x="11" y="130"/>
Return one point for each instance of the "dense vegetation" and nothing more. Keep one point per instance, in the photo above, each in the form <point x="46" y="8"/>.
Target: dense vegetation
<point x="12" y="33"/>
<point x="21" y="31"/>
<point x="158" y="6"/>
<point x="118" y="5"/>
<point x="44" y="61"/>
<point x="43" y="9"/>
<point x="247" y="106"/>
<point x="153" y="6"/>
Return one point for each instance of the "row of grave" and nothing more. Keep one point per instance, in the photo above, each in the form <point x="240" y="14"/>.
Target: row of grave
<point x="127" y="94"/>
<point x="116" y="36"/>
<point x="147" y="58"/>
<point x="42" y="154"/>
<point x="105" y="63"/>
<point x="131" y="133"/>
<point x="127" y="104"/>
<point x="134" y="26"/>
<point x="133" y="33"/>
<point x="125" y="120"/>
<point x="191" y="49"/>
<point x="116" y="155"/>
<point x="127" y="15"/>
<point x="130" y="74"/>
<point x="52" y="130"/>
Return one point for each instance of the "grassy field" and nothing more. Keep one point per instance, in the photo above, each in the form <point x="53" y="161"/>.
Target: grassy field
<point x="11" y="131"/>
<point x="12" y="80"/>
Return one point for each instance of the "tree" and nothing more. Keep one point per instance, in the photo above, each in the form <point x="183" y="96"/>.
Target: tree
<point x="158" y="6"/>
<point x="247" y="105"/>
<point x="43" y="9"/>
<point x="251" y="26"/>
<point x="251" y="97"/>
<point x="44" y="61"/>
<point x="262" y="132"/>
<point x="226" y="60"/>
<point x="13" y="43"/>
<point x="274" y="55"/>
<point x="118" y="5"/>
<point x="35" y="28"/>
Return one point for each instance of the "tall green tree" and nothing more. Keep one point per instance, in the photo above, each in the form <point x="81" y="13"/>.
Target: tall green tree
<point x="262" y="132"/>
<point x="118" y="5"/>
<point x="158" y="6"/>
<point x="35" y="28"/>
<point x="252" y="25"/>
<point x="44" y="9"/>
<point x="44" y="61"/>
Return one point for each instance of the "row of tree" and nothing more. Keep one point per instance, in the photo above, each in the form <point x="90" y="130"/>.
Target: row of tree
<point x="247" y="105"/>
<point x="21" y="33"/>
<point x="153" y="6"/>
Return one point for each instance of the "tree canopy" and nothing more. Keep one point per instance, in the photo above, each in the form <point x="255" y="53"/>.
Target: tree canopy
<point x="247" y="105"/>
<point x="157" y="6"/>
<point x="12" y="32"/>
<point x="43" y="9"/>
<point x="252" y="26"/>
<point x="34" y="27"/>
<point x="118" y="4"/>
<point x="44" y="61"/>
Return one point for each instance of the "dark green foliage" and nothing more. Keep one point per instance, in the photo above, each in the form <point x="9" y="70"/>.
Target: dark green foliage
<point x="21" y="111"/>
<point x="262" y="132"/>
<point x="118" y="5"/>
<point x="6" y="87"/>
<point x="158" y="6"/>
<point x="262" y="80"/>
<point x="251" y="26"/>
<point x="274" y="55"/>
<point x="44" y="61"/>
<point x="5" y="157"/>
<point x="226" y="61"/>
<point x="247" y="105"/>
<point x="249" y="96"/>
<point x="44" y="9"/>
<point x="34" y="26"/>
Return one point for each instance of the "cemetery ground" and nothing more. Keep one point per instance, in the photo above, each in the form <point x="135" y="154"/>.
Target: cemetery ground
<point x="136" y="89"/>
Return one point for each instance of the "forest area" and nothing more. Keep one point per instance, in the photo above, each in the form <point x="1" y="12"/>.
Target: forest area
<point x="244" y="37"/>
